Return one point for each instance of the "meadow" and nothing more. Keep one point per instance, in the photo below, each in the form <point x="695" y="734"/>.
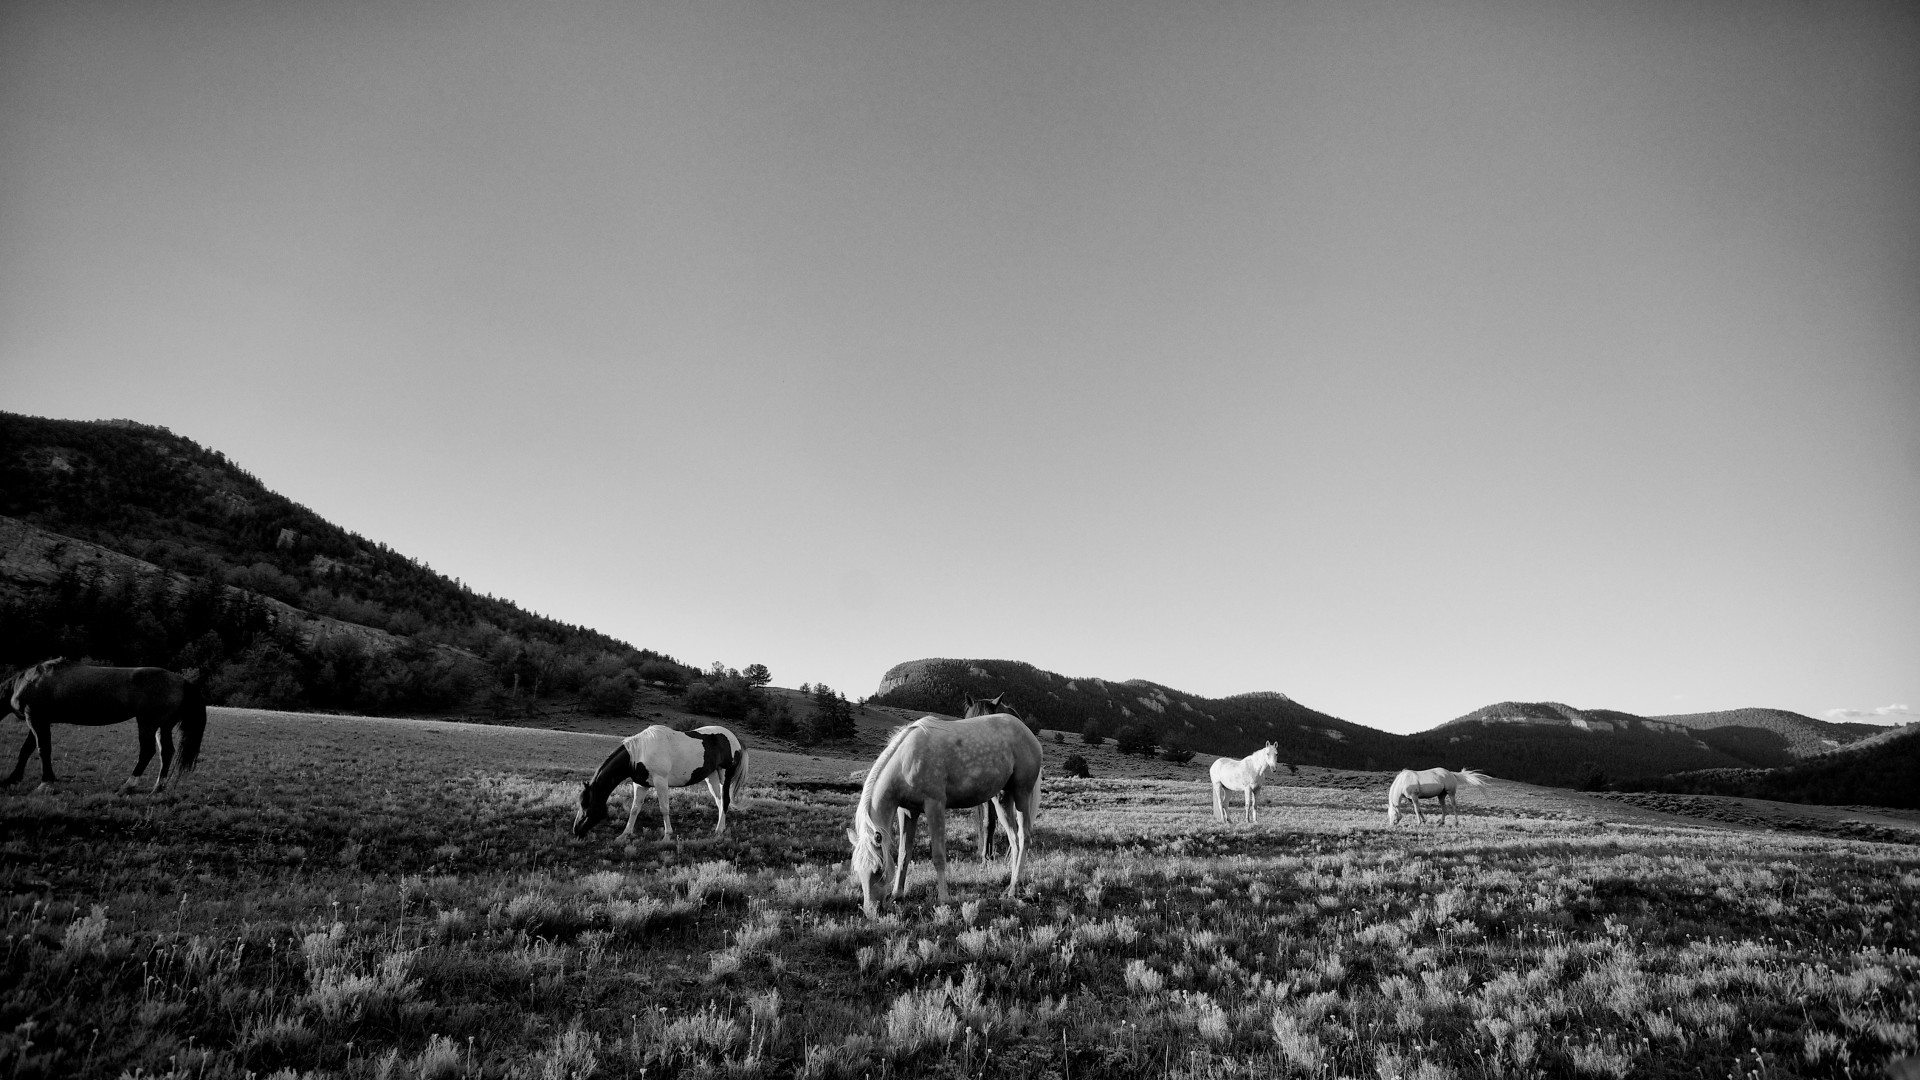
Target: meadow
<point x="342" y="897"/>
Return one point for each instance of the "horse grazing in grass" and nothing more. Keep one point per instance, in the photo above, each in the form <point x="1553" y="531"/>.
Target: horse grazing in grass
<point x="58" y="692"/>
<point x="1442" y="784"/>
<point x="1242" y="774"/>
<point x="932" y="765"/>
<point x="665" y="758"/>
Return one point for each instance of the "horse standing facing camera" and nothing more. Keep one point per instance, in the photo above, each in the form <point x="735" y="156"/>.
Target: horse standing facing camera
<point x="1245" y="775"/>
<point x="663" y="758"/>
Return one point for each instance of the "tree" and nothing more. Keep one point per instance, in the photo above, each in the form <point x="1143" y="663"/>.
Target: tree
<point x="1174" y="749"/>
<point x="1090" y="733"/>
<point x="832" y="719"/>
<point x="779" y="719"/>
<point x="1137" y="738"/>
<point x="756" y="674"/>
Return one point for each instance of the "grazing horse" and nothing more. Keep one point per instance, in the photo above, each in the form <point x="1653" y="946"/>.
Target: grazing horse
<point x="666" y="758"/>
<point x="927" y="767"/>
<point x="1442" y="784"/>
<point x="58" y="692"/>
<point x="1242" y="774"/>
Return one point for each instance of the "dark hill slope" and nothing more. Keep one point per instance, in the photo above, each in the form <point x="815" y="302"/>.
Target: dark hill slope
<point x="1876" y="771"/>
<point x="199" y="536"/>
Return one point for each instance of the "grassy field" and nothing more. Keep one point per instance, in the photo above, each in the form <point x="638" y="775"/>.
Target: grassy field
<point x="380" y="898"/>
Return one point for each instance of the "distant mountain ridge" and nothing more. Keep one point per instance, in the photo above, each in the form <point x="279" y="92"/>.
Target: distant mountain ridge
<point x="1539" y="742"/>
<point x="1756" y="737"/>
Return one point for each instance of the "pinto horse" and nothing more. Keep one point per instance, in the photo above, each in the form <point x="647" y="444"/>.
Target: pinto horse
<point x="1242" y="774"/>
<point x="665" y="758"/>
<point x="927" y="767"/>
<point x="1442" y="784"/>
<point x="59" y="692"/>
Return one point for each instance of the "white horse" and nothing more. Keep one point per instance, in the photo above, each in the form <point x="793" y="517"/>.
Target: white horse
<point x="1242" y="774"/>
<point x="666" y="758"/>
<point x="1442" y="784"/>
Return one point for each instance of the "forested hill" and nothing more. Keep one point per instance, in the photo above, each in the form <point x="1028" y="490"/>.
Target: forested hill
<point x="1163" y="716"/>
<point x="202" y="542"/>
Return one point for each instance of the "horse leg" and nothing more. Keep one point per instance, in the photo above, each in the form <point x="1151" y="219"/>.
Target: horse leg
<point x="149" y="739"/>
<point x="718" y="788"/>
<point x="1219" y="804"/>
<point x="166" y="755"/>
<point x="1017" y="835"/>
<point x="26" y="751"/>
<point x="909" y="824"/>
<point x="985" y="832"/>
<point x="937" y="840"/>
<point x="633" y="814"/>
<point x="43" y="737"/>
<point x="660" y="791"/>
<point x="1253" y="804"/>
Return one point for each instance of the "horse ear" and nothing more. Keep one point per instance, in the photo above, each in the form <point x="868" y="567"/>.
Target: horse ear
<point x="852" y="839"/>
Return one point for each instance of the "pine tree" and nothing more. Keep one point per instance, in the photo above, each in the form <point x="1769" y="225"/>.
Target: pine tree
<point x="832" y="719"/>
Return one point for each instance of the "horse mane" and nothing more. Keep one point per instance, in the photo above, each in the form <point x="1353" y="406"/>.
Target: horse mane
<point x="894" y="739"/>
<point x="45" y="666"/>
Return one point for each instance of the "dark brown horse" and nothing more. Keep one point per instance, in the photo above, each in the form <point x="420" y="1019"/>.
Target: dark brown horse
<point x="58" y="692"/>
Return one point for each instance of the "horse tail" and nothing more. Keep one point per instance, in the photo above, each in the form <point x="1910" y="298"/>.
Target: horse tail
<point x="193" y="724"/>
<point x="738" y="780"/>
<point x="1477" y="779"/>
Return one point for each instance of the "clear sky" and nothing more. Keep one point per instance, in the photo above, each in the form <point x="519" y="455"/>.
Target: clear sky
<point x="1402" y="357"/>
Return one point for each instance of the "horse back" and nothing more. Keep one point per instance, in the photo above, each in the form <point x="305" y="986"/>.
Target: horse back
<point x="83" y="694"/>
<point x="963" y="763"/>
<point x="674" y="757"/>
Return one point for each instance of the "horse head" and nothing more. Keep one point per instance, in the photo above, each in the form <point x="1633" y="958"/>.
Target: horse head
<point x="871" y="863"/>
<point x="590" y="811"/>
<point x="987" y="706"/>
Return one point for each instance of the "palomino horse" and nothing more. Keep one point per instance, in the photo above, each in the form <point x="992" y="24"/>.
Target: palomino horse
<point x="927" y="767"/>
<point x="1442" y="784"/>
<point x="57" y="692"/>
<point x="666" y="758"/>
<point x="1242" y="774"/>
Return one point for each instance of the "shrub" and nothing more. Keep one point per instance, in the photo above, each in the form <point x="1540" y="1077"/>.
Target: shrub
<point x="610" y="695"/>
<point x="1075" y="766"/>
<point x="665" y="672"/>
<point x="1137" y="739"/>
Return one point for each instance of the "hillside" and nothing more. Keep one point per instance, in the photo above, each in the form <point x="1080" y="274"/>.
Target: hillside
<point x="1875" y="771"/>
<point x="128" y="544"/>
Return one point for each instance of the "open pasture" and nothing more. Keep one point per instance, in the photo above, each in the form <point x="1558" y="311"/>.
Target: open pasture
<point x="372" y="898"/>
